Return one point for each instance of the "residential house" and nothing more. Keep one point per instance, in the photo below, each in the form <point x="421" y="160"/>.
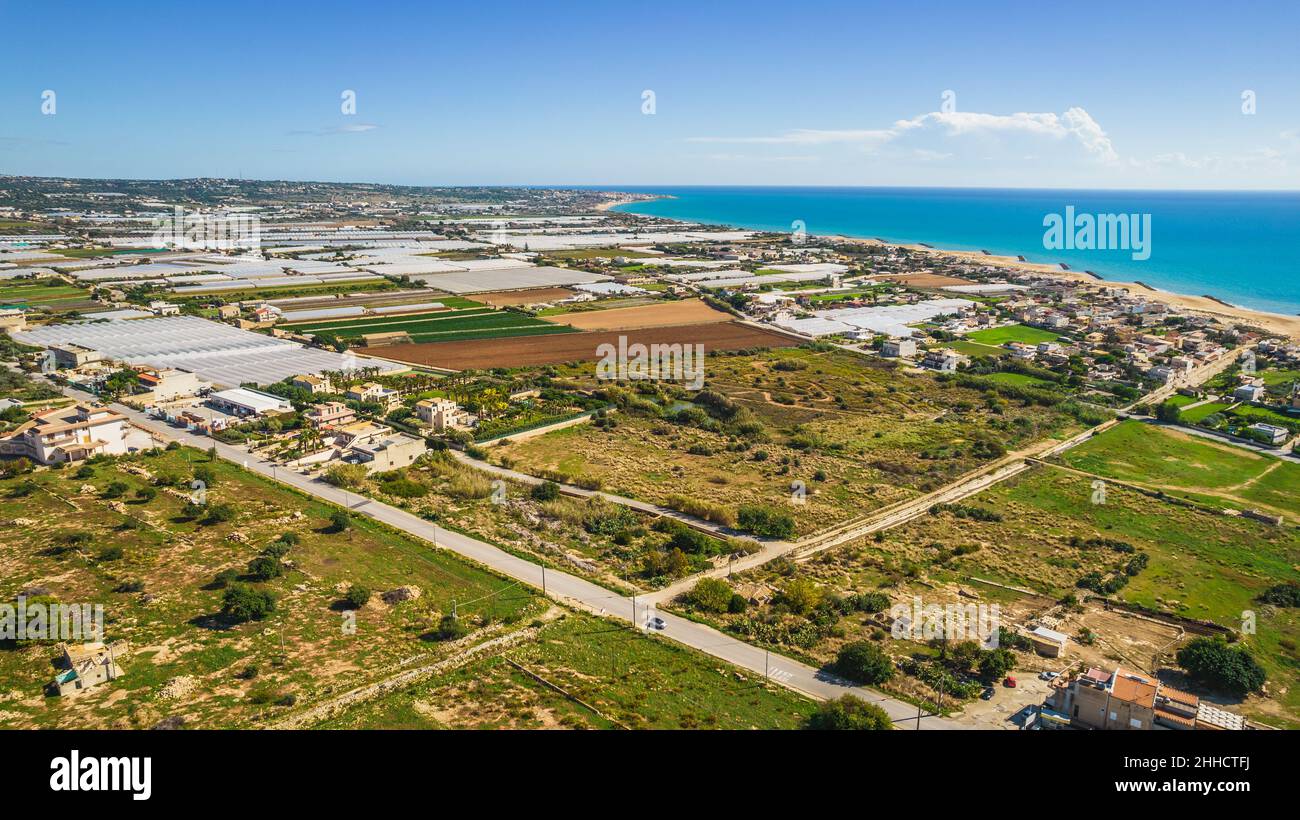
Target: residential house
<point x="441" y="414"/>
<point x="167" y="384"/>
<point x="898" y="349"/>
<point x="389" y="453"/>
<point x="372" y="392"/>
<point x="66" y="434"/>
<point x="945" y="361"/>
<point x="330" y="414"/>
<point x="313" y="384"/>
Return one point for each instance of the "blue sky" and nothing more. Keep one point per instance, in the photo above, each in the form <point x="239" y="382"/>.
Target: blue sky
<point x="1102" y="95"/>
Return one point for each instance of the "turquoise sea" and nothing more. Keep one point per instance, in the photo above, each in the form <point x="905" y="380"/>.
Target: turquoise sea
<point x="1241" y="247"/>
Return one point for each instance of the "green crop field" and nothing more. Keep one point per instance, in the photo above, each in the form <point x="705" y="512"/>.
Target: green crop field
<point x="1198" y="413"/>
<point x="1013" y="333"/>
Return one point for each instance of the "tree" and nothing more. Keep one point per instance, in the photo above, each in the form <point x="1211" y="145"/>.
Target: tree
<point x="219" y="514"/>
<point x="205" y="474"/>
<point x="1213" y="662"/>
<point x="265" y="567"/>
<point x="864" y="662"/>
<point x="802" y="595"/>
<point x="996" y="664"/>
<point x="242" y="603"/>
<point x="146" y="494"/>
<point x="1168" y="412"/>
<point x="849" y="713"/>
<point x="711" y="595"/>
<point x="357" y="596"/>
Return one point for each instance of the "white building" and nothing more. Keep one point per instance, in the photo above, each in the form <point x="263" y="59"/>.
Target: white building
<point x="66" y="434"/>
<point x="898" y="349"/>
<point x="241" y="401"/>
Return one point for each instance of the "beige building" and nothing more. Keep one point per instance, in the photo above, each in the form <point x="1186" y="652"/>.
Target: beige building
<point x="1124" y="699"/>
<point x="88" y="665"/>
<point x="168" y="384"/>
<point x="313" y="384"/>
<point x="441" y="414"/>
<point x="370" y="391"/>
<point x="65" y="434"/>
<point x="389" y="453"/>
<point x="330" y="414"/>
<point x="74" y="355"/>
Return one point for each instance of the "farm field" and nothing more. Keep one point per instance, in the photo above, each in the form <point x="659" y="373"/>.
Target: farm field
<point x="524" y="297"/>
<point x="471" y="323"/>
<point x="579" y="346"/>
<point x="1191" y="467"/>
<point x="658" y="314"/>
<point x="1013" y="333"/>
<point x="44" y="294"/>
<point x="860" y="433"/>
<point x="153" y="567"/>
<point x="616" y="677"/>
<point x="1200" y="412"/>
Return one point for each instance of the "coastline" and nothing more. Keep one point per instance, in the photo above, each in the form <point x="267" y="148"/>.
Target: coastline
<point x="1278" y="323"/>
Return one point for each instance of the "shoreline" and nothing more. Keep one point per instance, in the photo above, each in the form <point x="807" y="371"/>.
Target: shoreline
<point x="1278" y="323"/>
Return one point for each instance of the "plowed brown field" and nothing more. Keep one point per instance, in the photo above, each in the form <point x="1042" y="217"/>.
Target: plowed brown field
<point x="577" y="347"/>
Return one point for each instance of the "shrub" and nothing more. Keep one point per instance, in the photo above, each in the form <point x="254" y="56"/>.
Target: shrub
<point x="450" y="628"/>
<point x="801" y="595"/>
<point x="404" y="488"/>
<point x="340" y="521"/>
<point x="146" y="494"/>
<point x="864" y="662"/>
<point x="243" y="603"/>
<point x="346" y="475"/>
<point x="765" y="521"/>
<point x="116" y="489"/>
<point x="546" y="491"/>
<point x="1285" y="595"/>
<point x="265" y="567"/>
<point x="219" y="514"/>
<point x="849" y="712"/>
<point x="711" y="595"/>
<point x="112" y="554"/>
<point x="357" y="596"/>
<point x="469" y="485"/>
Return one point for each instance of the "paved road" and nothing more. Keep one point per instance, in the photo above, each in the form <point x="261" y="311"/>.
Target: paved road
<point x="559" y="585"/>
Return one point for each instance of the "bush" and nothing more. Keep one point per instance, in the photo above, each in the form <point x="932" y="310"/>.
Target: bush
<point x="765" y="521"/>
<point x="1211" y="661"/>
<point x="219" y="514"/>
<point x="112" y="554"/>
<point x="265" y="567"/>
<point x="348" y="476"/>
<point x="116" y="489"/>
<point x="357" y="597"/>
<point x="404" y="488"/>
<point x="225" y="578"/>
<point x="711" y="595"/>
<point x="546" y="491"/>
<point x="864" y="662"/>
<point x="850" y="713"/>
<point x="996" y="664"/>
<point x="1284" y="595"/>
<point x="340" y="521"/>
<point x="450" y="628"/>
<point x="801" y="595"/>
<point x="146" y="494"/>
<point x="243" y="603"/>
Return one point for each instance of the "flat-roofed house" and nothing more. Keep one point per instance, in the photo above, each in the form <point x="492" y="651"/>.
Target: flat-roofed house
<point x="370" y="391"/>
<point x="168" y="383"/>
<point x="313" y="384"/>
<point x="330" y="414"/>
<point x="389" y="453"/>
<point x="441" y="414"/>
<point x="66" y="434"/>
<point x="88" y="665"/>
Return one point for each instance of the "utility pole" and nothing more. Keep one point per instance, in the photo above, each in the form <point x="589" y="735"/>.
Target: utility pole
<point x="543" y="579"/>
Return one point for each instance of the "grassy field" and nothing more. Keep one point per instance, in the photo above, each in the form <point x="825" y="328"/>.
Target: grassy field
<point x="1013" y="333"/>
<point x="976" y="349"/>
<point x="471" y="323"/>
<point x="859" y="433"/>
<point x="160" y="597"/>
<point x="1191" y="467"/>
<point x="1033" y="535"/>
<point x="610" y="677"/>
<point x="1199" y="413"/>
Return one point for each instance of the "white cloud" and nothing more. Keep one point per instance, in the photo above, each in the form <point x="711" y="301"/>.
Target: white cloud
<point x="1076" y="124"/>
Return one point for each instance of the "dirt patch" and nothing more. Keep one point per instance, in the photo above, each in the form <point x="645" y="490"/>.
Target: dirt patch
<point x="579" y="347"/>
<point x="660" y="314"/>
<point x="524" y="297"/>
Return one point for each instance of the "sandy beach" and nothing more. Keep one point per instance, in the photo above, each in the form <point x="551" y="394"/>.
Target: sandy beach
<point x="1278" y="323"/>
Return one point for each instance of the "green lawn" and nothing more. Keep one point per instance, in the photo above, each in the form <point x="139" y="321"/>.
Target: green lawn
<point x="1190" y="466"/>
<point x="1197" y="414"/>
<point x="1013" y="333"/>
